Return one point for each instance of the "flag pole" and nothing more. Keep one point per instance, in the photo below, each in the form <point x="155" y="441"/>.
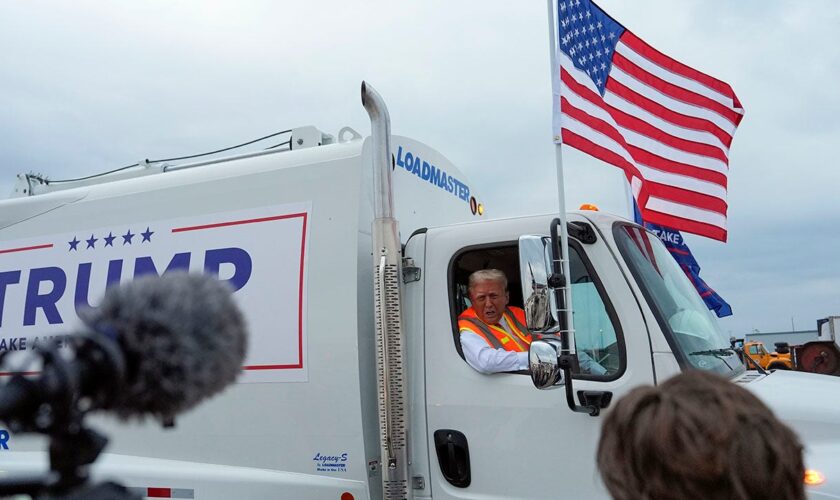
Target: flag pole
<point x="561" y="192"/>
<point x="555" y="76"/>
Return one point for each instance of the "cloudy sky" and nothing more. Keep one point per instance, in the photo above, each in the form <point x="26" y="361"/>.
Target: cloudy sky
<point x="89" y="86"/>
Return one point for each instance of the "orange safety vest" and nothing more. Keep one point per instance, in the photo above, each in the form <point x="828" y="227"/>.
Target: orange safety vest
<point x="496" y="336"/>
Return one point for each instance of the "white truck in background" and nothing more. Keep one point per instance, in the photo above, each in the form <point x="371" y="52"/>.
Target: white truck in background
<point x="354" y="385"/>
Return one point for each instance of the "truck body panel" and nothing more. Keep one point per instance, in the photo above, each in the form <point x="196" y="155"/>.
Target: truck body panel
<point x="270" y="420"/>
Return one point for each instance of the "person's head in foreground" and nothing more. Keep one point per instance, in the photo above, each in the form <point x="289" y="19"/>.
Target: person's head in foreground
<point x="698" y="436"/>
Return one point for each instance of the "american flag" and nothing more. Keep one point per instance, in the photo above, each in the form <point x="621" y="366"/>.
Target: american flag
<point x="668" y="126"/>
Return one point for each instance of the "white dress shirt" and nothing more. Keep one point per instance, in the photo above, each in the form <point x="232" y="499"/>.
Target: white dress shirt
<point x="487" y="359"/>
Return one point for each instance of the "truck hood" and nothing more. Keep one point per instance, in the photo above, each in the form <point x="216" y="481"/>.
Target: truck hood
<point x="807" y="402"/>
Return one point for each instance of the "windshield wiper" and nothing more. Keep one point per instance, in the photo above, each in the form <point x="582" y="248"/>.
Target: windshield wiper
<point x="726" y="351"/>
<point x="720" y="354"/>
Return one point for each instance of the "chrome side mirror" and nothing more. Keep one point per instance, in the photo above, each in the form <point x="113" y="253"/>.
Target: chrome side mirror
<point x="533" y="273"/>
<point x="544" y="363"/>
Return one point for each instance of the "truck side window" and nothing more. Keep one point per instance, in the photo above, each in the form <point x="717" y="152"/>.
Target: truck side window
<point x="501" y="256"/>
<point x="594" y="319"/>
<point x="595" y="333"/>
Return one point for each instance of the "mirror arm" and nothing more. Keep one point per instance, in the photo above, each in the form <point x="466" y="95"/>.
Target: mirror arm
<point x="565" y="360"/>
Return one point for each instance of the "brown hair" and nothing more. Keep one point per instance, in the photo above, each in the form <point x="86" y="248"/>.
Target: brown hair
<point x="698" y="436"/>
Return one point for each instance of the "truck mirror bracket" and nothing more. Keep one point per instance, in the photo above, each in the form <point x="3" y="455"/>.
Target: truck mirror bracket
<point x="410" y="272"/>
<point x="582" y="232"/>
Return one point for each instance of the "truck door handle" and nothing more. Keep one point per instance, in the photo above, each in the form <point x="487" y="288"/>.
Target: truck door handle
<point x="453" y="456"/>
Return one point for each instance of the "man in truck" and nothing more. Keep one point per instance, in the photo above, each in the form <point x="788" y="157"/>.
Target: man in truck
<point x="493" y="334"/>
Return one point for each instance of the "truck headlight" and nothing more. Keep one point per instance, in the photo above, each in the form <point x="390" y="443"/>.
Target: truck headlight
<point x="814" y="477"/>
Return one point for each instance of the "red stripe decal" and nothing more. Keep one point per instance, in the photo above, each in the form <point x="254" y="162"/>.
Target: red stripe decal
<point x="25" y="249"/>
<point x="304" y="217"/>
<point x="238" y="222"/>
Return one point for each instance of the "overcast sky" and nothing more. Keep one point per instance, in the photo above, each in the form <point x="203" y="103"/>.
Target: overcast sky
<point x="88" y="86"/>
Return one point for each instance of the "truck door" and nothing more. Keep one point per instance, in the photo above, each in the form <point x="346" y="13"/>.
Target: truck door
<point x="496" y="436"/>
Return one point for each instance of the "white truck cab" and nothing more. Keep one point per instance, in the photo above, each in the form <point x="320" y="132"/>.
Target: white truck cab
<point x="350" y="260"/>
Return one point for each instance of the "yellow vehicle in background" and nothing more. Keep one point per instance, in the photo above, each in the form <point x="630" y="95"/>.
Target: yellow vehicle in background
<point x="769" y="360"/>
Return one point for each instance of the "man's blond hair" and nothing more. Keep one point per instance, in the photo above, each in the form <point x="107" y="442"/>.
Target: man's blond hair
<point x="488" y="275"/>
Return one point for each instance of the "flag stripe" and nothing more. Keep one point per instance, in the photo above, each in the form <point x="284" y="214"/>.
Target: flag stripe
<point x="688" y="225"/>
<point x="683" y="108"/>
<point x="659" y="163"/>
<point x="689" y="190"/>
<point x="610" y="151"/>
<point x="642" y="48"/>
<point x="668" y="114"/>
<point x="672" y="77"/>
<point x="597" y="119"/>
<point x="634" y="123"/>
<point x="662" y="191"/>
<point x="684" y="181"/>
<point x="646" y="129"/>
<point x="688" y="134"/>
<point x="673" y="91"/>
<point x="627" y="136"/>
<point x="610" y="140"/>
<point x="685" y="196"/>
<point x="685" y="211"/>
<point x="587" y="103"/>
<point x="582" y="143"/>
<point x="673" y="154"/>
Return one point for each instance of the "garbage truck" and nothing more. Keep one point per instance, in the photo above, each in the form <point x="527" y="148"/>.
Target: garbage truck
<point x="350" y="257"/>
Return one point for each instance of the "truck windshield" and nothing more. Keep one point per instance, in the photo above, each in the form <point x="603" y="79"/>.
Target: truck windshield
<point x="683" y="316"/>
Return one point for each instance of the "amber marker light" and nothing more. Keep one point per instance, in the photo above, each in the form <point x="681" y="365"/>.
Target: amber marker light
<point x="589" y="206"/>
<point x="814" y="477"/>
<point x="480" y="209"/>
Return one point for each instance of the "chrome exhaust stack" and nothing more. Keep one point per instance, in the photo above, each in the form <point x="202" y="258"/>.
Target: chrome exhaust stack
<point x="390" y="340"/>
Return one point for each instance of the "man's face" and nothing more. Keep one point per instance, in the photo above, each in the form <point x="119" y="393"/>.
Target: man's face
<point x="489" y="300"/>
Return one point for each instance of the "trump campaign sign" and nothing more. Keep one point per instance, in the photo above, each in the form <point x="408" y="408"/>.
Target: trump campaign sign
<point x="260" y="253"/>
